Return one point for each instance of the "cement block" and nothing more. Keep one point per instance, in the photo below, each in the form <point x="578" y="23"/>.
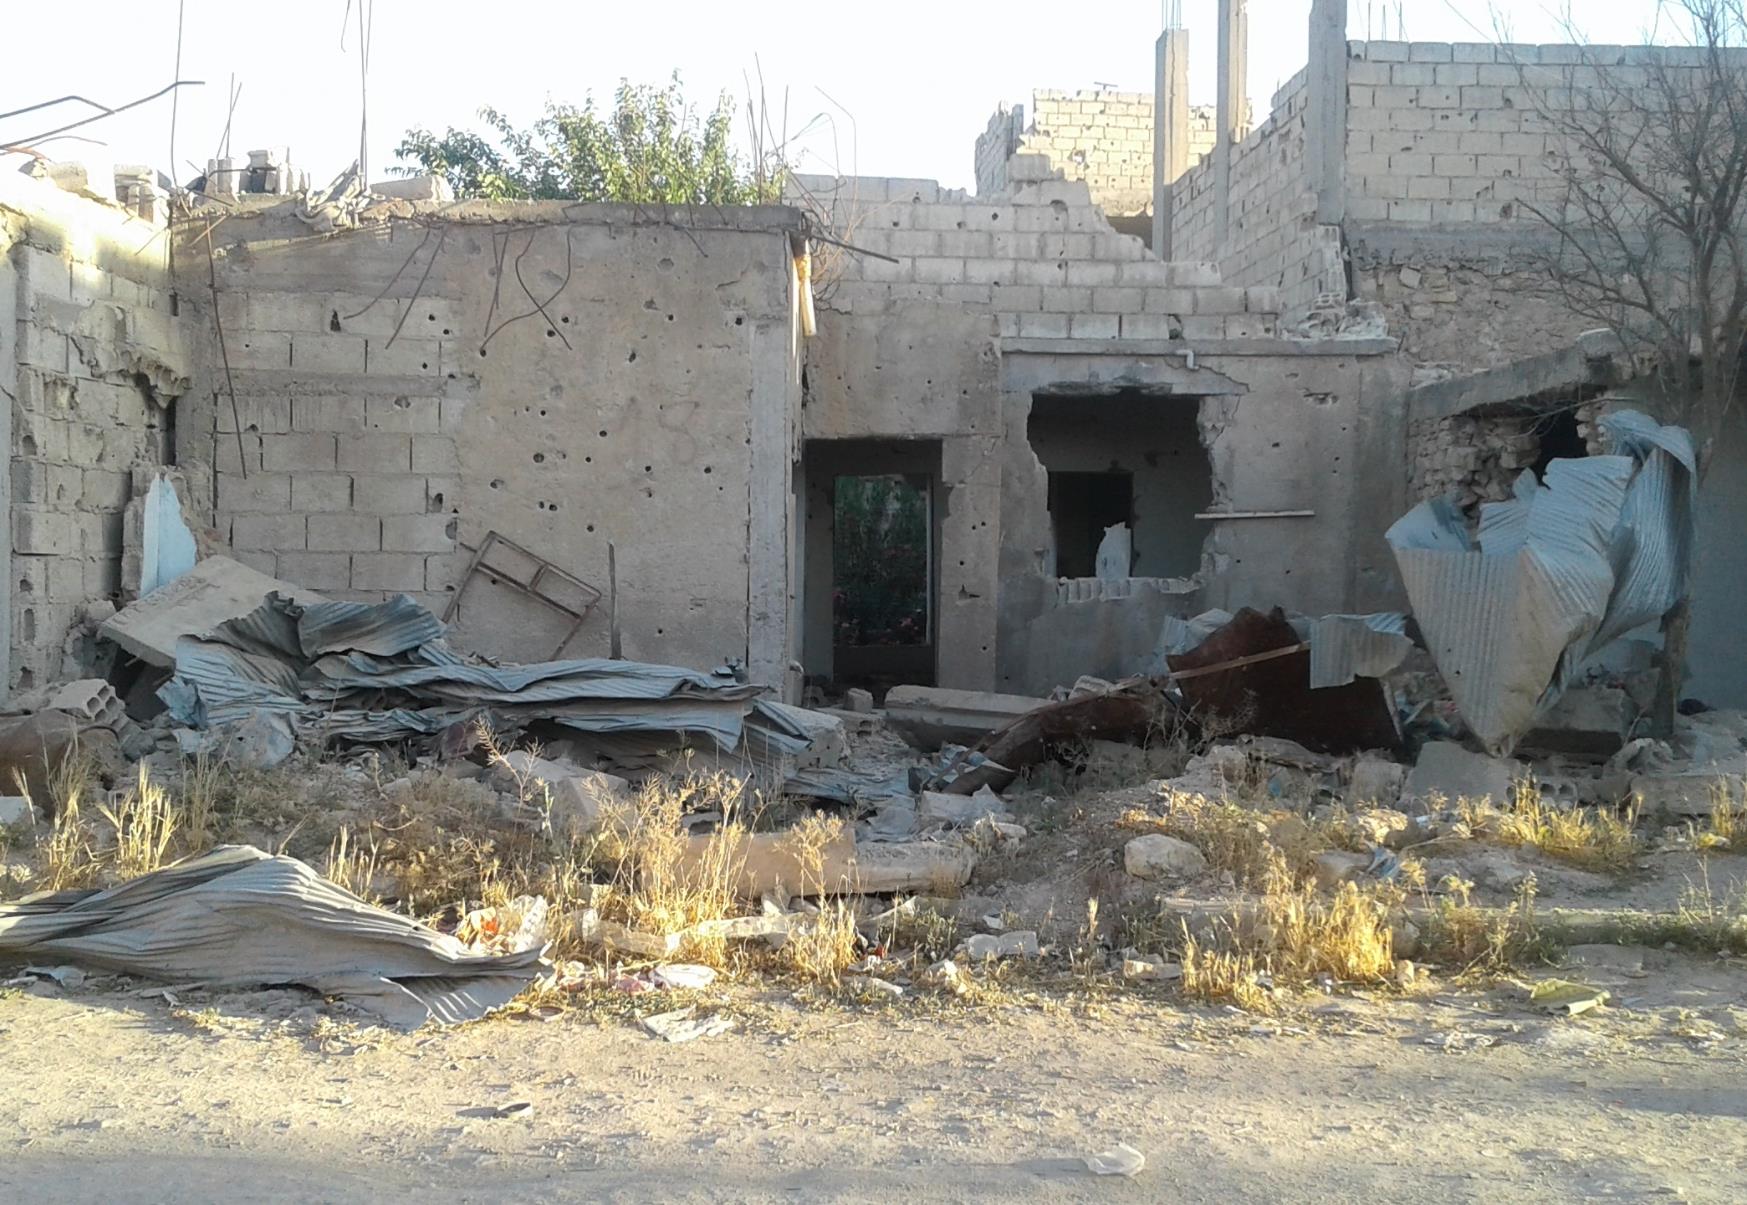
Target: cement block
<point x="324" y="413"/>
<point x="390" y="571"/>
<point x="259" y="349"/>
<point x="316" y="570"/>
<point x="383" y="494"/>
<point x="44" y="533"/>
<point x="1447" y="769"/>
<point x="327" y="353"/>
<point x="312" y="492"/>
<point x="402" y="413"/>
<point x="376" y="453"/>
<point x="344" y="533"/>
<point x="271" y="532"/>
<point x="298" y="452"/>
<point x="1093" y="326"/>
<point x="256" y="492"/>
<point x="418" y="533"/>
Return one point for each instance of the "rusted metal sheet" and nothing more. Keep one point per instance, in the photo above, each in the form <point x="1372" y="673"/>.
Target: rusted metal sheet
<point x="1273" y="696"/>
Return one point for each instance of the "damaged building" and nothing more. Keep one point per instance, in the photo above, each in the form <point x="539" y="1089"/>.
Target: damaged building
<point x="1159" y="362"/>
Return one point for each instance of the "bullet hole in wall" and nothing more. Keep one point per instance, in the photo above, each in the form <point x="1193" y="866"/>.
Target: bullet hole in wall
<point x="632" y="358"/>
<point x="550" y="333"/>
<point x="539" y="458"/>
<point x="650" y="304"/>
<point x="565" y="319"/>
<point x="591" y="527"/>
<point x="334" y="321"/>
<point x="670" y="317"/>
<point x="665" y="264"/>
<point x="403" y="403"/>
<point x="603" y="434"/>
<point x="740" y="320"/>
<point x="706" y="469"/>
<point x="497" y="483"/>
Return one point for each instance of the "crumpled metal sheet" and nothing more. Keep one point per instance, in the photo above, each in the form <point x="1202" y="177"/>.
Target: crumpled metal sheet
<point x="1511" y="611"/>
<point x="381" y="672"/>
<point x="239" y="917"/>
<point x="1342" y="647"/>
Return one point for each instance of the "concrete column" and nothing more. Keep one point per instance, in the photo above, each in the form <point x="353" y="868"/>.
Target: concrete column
<point x="1326" y="109"/>
<point x="1170" y="130"/>
<point x="1234" y="25"/>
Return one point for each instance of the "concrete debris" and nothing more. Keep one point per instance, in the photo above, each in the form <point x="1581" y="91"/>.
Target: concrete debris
<point x="946" y="976"/>
<point x="1157" y="970"/>
<point x="871" y="985"/>
<point x="1017" y="943"/>
<point x="14" y="809"/>
<point x="1686" y="793"/>
<point x="683" y="976"/>
<point x="239" y="917"/>
<point x="1375" y="780"/>
<point x="512" y="928"/>
<point x="1130" y="712"/>
<point x="1567" y="997"/>
<point x="1586" y="721"/>
<point x="569" y="798"/>
<point x="32" y="748"/>
<point x="960" y="811"/>
<point x="259" y="741"/>
<point x="928" y="717"/>
<point x="858" y="700"/>
<point x="1159" y="856"/>
<point x="683" y="1025"/>
<point x="1336" y="866"/>
<point x="91" y="700"/>
<point x="588" y="927"/>
<point x="216" y="590"/>
<point x="1448" y="771"/>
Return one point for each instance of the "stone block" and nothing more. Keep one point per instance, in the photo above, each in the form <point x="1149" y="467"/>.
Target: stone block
<point x="1159" y="856"/>
<point x="1094" y="326"/>
<point x="376" y="453"/>
<point x="1065" y="299"/>
<point x="1092" y="272"/>
<point x="304" y="451"/>
<point x="1150" y="326"/>
<point x="105" y="489"/>
<point x="1044" y="326"/>
<point x="418" y="533"/>
<point x="327" y="413"/>
<point x="399" y="572"/>
<point x="344" y="533"/>
<point x="259" y="349"/>
<point x="43" y="533"/>
<point x="311" y="492"/>
<point x="383" y="494"/>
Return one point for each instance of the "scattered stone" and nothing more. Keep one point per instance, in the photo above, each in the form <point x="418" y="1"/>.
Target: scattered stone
<point x="1159" y="856"/>
<point x="1585" y="721"/>
<point x="13" y="809"/>
<point x="1685" y="793"/>
<point x="516" y="1108"/>
<point x="1019" y="943"/>
<point x="1447" y="770"/>
<point x="682" y="1026"/>
<point x="870" y="985"/>
<point x="945" y="975"/>
<point x="1567" y="997"/>
<point x="1139" y="966"/>
<point x="683" y="976"/>
<point x="859" y="700"/>
<point x="1375" y="781"/>
<point x="960" y="811"/>
<point x="1337" y="866"/>
<point x="1386" y="827"/>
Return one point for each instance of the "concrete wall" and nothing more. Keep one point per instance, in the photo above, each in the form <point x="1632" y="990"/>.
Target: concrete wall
<point x="1099" y="135"/>
<point x="94" y="361"/>
<point x="651" y="405"/>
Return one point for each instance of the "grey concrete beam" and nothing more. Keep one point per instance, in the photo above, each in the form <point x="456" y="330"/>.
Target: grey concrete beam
<point x="1200" y="348"/>
<point x="1589" y="363"/>
<point x="1326" y="117"/>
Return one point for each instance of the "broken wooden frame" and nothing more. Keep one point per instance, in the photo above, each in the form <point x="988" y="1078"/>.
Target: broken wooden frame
<point x="530" y="588"/>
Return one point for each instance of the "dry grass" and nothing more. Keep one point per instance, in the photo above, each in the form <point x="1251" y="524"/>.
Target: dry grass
<point x="1725" y="829"/>
<point x="1482" y="939"/>
<point x="1293" y="937"/>
<point x="1245" y="842"/>
<point x="143" y="821"/>
<point x="1596" y="839"/>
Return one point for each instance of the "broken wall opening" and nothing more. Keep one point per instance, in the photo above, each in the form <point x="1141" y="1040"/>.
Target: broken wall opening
<point x="1476" y="456"/>
<point x="871" y="562"/>
<point x="1141" y="443"/>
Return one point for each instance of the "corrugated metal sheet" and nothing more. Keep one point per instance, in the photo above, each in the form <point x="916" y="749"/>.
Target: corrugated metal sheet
<point x="381" y="672"/>
<point x="1342" y="647"/>
<point x="238" y="917"/>
<point x="1560" y="570"/>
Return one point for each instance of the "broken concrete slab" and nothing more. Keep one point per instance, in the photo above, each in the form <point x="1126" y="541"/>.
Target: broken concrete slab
<point x="858" y="700"/>
<point x="14" y="808"/>
<point x="1159" y="856"/>
<point x="1448" y="770"/>
<point x="576" y="797"/>
<point x="1336" y="866"/>
<point x="827" y="744"/>
<point x="929" y="717"/>
<point x="960" y="811"/>
<point x="1685" y="793"/>
<point x="215" y="590"/>
<point x="1586" y="721"/>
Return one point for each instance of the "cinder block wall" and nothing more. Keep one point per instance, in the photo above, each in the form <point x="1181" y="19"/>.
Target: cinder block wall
<point x="1098" y="135"/>
<point x="646" y="401"/>
<point x="93" y="357"/>
<point x="1044" y="260"/>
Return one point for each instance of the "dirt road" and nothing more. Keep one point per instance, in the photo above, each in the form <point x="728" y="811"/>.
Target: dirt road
<point x="1461" y="1096"/>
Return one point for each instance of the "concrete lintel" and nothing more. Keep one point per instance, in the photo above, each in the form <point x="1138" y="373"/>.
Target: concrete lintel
<point x="1588" y="363"/>
<point x="1373" y="244"/>
<point x="1200" y="348"/>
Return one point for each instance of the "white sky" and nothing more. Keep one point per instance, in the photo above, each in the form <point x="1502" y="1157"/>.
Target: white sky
<point x="919" y="78"/>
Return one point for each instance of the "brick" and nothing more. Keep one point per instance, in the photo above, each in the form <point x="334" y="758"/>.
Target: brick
<point x="379" y="453"/>
<point x="66" y="580"/>
<point x="1066" y="299"/>
<point x="434" y="454"/>
<point x="1429" y="52"/>
<point x="254" y="493"/>
<point x="1042" y="272"/>
<point x="288" y="312"/>
<point x="260" y="560"/>
<point x="989" y="272"/>
<point x="344" y="533"/>
<point x="1431" y="188"/>
<point x="321" y="492"/>
<point x="1412" y="75"/>
<point x="66" y="482"/>
<point x="327" y="353"/>
<point x="940" y="271"/>
<point x="1091" y="272"/>
<point x="381" y="494"/>
<point x="401" y="572"/>
<point x="1150" y="326"/>
<point x="308" y="450"/>
<point x="30" y="481"/>
<point x="1013" y="299"/>
<point x="316" y="570"/>
<point x="444" y="493"/>
<point x="1204" y="326"/>
<point x="1457" y="75"/>
<point x="404" y="357"/>
<point x="1227" y="299"/>
<point x="1094" y="326"/>
<point x="327" y="414"/>
<point x="274" y="532"/>
<point x="418" y="533"/>
<point x="402" y="413"/>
